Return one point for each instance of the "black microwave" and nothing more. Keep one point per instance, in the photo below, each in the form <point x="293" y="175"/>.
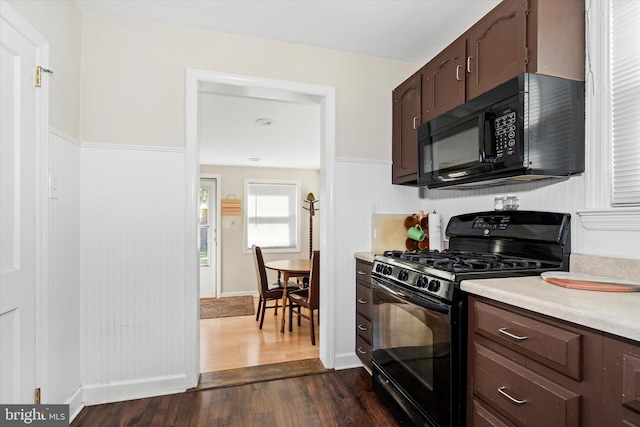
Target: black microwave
<point x="529" y="128"/>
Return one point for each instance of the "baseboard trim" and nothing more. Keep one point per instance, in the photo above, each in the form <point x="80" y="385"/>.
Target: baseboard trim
<point x="75" y="404"/>
<point x="346" y="361"/>
<point x="118" y="391"/>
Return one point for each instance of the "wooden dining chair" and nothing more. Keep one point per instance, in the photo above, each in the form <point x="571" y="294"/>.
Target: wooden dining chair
<point x="308" y="298"/>
<point x="266" y="291"/>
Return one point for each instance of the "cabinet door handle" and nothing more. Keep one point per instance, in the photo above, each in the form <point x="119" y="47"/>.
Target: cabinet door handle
<point x="458" y="72"/>
<point x="415" y="125"/>
<point x="361" y="351"/>
<point x="502" y="391"/>
<point x="362" y="301"/>
<point x="362" y="328"/>
<point x="469" y="64"/>
<point x="362" y="273"/>
<point x="510" y="335"/>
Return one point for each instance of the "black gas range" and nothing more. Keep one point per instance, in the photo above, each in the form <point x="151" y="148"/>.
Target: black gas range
<point x="420" y="313"/>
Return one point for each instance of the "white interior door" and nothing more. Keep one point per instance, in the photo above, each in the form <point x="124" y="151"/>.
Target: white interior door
<point x="18" y="209"/>
<point x="208" y="237"/>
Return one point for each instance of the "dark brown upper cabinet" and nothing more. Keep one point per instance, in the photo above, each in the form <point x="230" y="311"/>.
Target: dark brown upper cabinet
<point x="496" y="47"/>
<point x="517" y="36"/>
<point x="443" y="81"/>
<point x="407" y="101"/>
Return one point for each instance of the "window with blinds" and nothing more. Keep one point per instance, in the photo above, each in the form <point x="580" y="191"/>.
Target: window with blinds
<point x="271" y="215"/>
<point x="625" y="101"/>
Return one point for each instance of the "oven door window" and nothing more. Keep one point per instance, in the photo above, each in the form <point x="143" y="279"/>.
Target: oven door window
<point x="412" y="345"/>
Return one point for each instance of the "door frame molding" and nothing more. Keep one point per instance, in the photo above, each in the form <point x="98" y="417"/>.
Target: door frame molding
<point x="326" y="95"/>
<point x="41" y="45"/>
<point x="218" y="260"/>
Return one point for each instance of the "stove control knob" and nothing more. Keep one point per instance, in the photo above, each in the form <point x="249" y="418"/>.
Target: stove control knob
<point x="422" y="282"/>
<point x="387" y="270"/>
<point x="379" y="268"/>
<point x="403" y="275"/>
<point x="434" y="285"/>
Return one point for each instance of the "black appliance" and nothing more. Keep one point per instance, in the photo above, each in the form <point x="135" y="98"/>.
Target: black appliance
<point x="529" y="128"/>
<point x="419" y="315"/>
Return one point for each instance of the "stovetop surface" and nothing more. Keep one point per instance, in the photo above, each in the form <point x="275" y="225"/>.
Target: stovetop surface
<point x="455" y="261"/>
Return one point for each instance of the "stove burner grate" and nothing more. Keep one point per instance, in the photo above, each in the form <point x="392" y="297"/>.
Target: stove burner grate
<point x="460" y="261"/>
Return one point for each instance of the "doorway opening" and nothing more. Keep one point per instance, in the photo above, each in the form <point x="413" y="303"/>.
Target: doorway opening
<point x="208" y="200"/>
<point x="326" y="100"/>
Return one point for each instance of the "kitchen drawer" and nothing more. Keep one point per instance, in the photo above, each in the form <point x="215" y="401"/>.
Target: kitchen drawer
<point x="520" y="395"/>
<point x="553" y="346"/>
<point x="363" y="327"/>
<point x="482" y="416"/>
<point x="363" y="351"/>
<point x="363" y="272"/>
<point x="364" y="304"/>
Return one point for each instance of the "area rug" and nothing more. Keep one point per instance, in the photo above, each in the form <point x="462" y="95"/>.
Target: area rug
<point x="213" y="308"/>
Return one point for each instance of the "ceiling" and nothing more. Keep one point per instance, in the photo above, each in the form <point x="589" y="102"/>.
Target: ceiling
<point x="412" y="31"/>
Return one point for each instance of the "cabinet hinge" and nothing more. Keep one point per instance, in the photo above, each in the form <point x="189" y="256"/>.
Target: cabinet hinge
<point x="526" y="56"/>
<point x="36" y="396"/>
<point x="526" y="8"/>
<point x="38" y="75"/>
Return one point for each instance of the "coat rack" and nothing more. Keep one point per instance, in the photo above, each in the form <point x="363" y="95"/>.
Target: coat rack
<point x="310" y="200"/>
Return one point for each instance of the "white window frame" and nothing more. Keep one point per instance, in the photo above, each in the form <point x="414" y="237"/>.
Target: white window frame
<point x="599" y="213"/>
<point x="296" y="212"/>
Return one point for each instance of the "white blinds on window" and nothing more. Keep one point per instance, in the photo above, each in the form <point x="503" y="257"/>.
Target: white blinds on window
<point x="625" y="101"/>
<point x="271" y="215"/>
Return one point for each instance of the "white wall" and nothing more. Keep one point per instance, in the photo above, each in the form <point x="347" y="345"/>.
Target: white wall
<point x="132" y="272"/>
<point x="133" y="89"/>
<point x="62" y="306"/>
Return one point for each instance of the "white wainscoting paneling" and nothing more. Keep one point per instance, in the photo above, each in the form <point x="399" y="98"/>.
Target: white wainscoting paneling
<point x="132" y="272"/>
<point x="359" y="183"/>
<point x="63" y="274"/>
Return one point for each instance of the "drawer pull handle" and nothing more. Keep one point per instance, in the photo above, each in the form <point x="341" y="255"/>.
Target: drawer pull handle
<point x="362" y="301"/>
<point x="502" y="391"/>
<point x="362" y="328"/>
<point x="362" y="273"/>
<point x="361" y="351"/>
<point x="510" y="335"/>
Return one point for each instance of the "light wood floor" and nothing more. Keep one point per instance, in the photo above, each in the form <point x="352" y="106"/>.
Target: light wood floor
<point x="236" y="342"/>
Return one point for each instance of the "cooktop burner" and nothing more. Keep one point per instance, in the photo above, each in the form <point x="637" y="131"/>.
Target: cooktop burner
<point x="461" y="261"/>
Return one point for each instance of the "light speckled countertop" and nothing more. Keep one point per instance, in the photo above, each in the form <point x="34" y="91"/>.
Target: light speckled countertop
<point x="617" y="313"/>
<point x="365" y="256"/>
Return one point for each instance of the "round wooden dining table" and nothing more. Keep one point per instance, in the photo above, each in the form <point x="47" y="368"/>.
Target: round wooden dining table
<point x="299" y="267"/>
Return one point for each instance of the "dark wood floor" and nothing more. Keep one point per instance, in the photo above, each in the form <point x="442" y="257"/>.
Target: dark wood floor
<point x="335" y="398"/>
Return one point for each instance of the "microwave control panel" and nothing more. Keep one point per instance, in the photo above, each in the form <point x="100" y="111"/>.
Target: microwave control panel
<point x="505" y="132"/>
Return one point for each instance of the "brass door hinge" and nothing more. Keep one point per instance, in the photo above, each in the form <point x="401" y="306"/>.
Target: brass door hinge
<point x="38" y="75"/>
<point x="37" y="396"/>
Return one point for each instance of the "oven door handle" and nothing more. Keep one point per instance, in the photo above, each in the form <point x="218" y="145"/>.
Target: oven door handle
<point x="424" y="303"/>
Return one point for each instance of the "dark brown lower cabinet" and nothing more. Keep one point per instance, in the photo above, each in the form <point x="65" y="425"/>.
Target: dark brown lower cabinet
<point x="363" y="312"/>
<point x="621" y="404"/>
<point x="530" y="370"/>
